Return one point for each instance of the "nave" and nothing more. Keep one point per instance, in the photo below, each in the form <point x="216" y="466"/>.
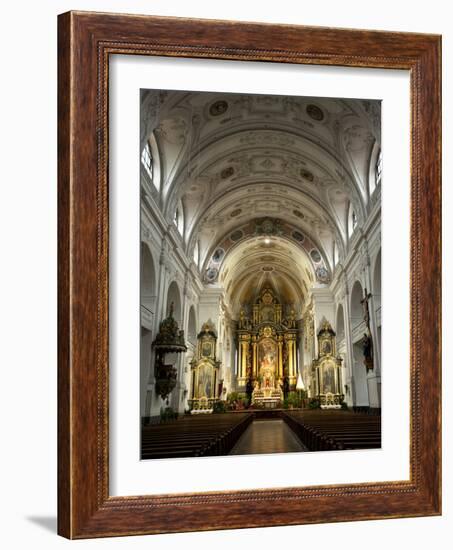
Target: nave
<point x="268" y="436"/>
<point x="260" y="282"/>
<point x="261" y="432"/>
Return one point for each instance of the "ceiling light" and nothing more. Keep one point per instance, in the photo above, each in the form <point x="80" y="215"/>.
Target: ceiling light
<point x="267" y="240"/>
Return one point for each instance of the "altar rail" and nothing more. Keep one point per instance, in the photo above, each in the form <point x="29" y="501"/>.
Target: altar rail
<point x="335" y="430"/>
<point x="210" y="435"/>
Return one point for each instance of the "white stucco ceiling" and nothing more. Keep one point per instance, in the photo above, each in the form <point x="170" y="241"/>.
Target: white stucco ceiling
<point x="230" y="159"/>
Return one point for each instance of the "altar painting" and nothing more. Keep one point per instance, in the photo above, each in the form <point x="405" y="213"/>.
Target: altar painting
<point x="205" y="381"/>
<point x="267" y="360"/>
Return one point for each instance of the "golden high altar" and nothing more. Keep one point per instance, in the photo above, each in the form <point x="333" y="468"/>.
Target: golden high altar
<point x="267" y="356"/>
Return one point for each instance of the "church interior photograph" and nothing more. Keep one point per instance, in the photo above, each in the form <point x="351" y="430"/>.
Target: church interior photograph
<point x="260" y="274"/>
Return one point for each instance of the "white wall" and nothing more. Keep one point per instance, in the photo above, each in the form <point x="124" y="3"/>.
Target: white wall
<point x="28" y="277"/>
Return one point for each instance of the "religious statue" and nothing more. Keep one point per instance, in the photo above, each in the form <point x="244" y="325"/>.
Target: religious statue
<point x="326" y="348"/>
<point x="249" y="389"/>
<point x="291" y="320"/>
<point x="366" y="309"/>
<point x="242" y="319"/>
<point x="367" y="346"/>
<point x="285" y="386"/>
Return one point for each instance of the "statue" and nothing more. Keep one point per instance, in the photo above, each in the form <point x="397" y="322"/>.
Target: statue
<point x="285" y="386"/>
<point x="326" y="348"/>
<point x="242" y="319"/>
<point x="249" y="389"/>
<point x="366" y="309"/>
<point x="291" y="322"/>
<point x="367" y="346"/>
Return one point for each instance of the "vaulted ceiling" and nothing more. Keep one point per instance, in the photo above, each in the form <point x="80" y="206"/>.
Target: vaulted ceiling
<point x="265" y="182"/>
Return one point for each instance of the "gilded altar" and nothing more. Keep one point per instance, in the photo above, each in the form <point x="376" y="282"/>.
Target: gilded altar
<point x="267" y="349"/>
<point x="205" y="372"/>
<point x="327" y="369"/>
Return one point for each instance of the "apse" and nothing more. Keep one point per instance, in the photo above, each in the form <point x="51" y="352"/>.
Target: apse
<point x="261" y="255"/>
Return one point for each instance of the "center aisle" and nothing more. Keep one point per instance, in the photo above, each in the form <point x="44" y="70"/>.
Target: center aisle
<point x="267" y="436"/>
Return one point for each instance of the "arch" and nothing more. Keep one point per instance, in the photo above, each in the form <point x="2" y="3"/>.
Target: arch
<point x="336" y="254"/>
<point x="150" y="159"/>
<point x="375" y="169"/>
<point x="340" y="323"/>
<point x="174" y="296"/>
<point x="360" y="385"/>
<point x="147" y="277"/>
<point x="356" y="306"/>
<point x="376" y="291"/>
<point x="148" y="291"/>
<point x="178" y="218"/>
<point x="352" y="220"/>
<point x="192" y="326"/>
<point x="377" y="283"/>
<point x="196" y="253"/>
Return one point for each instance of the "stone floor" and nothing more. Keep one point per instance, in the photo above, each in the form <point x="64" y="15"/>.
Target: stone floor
<point x="267" y="436"/>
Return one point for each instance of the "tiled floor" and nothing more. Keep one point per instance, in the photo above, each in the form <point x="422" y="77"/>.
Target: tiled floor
<point x="267" y="436"/>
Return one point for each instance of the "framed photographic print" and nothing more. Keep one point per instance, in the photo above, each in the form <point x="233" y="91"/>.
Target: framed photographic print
<point x="249" y="275"/>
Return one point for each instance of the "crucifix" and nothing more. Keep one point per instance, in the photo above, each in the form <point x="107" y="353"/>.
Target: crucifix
<point x="366" y="309"/>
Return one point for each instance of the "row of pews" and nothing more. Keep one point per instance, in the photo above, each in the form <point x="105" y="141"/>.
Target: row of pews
<point x="335" y="430"/>
<point x="201" y="435"/>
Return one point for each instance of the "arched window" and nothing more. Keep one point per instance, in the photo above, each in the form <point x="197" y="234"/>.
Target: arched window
<point x="178" y="218"/>
<point x="352" y="220"/>
<point x="196" y="253"/>
<point x="336" y="256"/>
<point x="150" y="162"/>
<point x="378" y="169"/>
<point x="147" y="160"/>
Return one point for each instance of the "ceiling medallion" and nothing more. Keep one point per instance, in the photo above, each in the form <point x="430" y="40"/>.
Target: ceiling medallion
<point x="298" y="236"/>
<point x="315" y="255"/>
<point x="236" y="235"/>
<point x="306" y="174"/>
<point x="218" y="108"/>
<point x="236" y="212"/>
<point x="314" y="112"/>
<point x="211" y="274"/>
<point x="268" y="226"/>
<point x="227" y="172"/>
<point x="299" y="214"/>
<point x="322" y="275"/>
<point x="218" y="255"/>
<point x="268" y="268"/>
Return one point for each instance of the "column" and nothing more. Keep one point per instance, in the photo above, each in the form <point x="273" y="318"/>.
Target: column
<point x="280" y="357"/>
<point x="291" y="349"/>
<point x="244" y="343"/>
<point x="349" y="379"/>
<point x="254" y="357"/>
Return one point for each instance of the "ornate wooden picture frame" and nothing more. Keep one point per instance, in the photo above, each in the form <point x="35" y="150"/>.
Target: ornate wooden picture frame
<point x="85" y="507"/>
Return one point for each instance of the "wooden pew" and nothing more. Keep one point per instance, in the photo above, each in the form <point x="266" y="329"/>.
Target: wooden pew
<point x="207" y="435"/>
<point x="335" y="430"/>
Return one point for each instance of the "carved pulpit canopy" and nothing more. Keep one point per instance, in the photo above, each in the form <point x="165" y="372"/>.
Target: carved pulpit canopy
<point x="169" y="338"/>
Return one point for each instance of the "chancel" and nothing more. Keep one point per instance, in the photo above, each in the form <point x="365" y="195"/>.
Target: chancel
<point x="260" y="273"/>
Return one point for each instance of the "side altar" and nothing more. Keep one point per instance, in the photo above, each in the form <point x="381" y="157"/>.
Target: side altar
<point x="267" y="356"/>
<point x="327" y="369"/>
<point x="205" y="372"/>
